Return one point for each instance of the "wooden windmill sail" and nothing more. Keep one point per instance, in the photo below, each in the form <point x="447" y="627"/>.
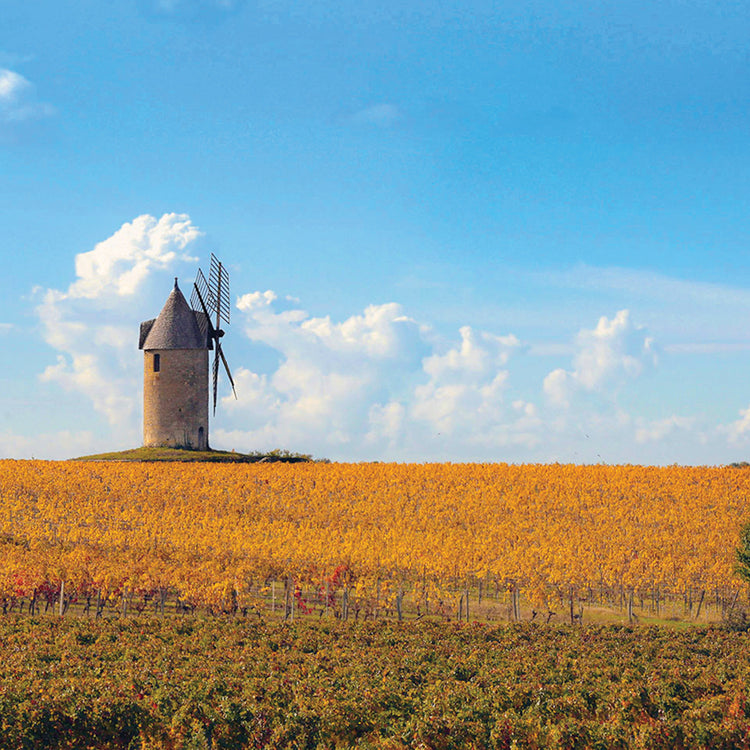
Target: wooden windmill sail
<point x="212" y="299"/>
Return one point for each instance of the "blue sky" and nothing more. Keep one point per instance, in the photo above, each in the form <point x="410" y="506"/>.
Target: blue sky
<point x="456" y="230"/>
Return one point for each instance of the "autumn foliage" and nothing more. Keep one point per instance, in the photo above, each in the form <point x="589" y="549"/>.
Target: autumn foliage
<point x="174" y="684"/>
<point x="214" y="535"/>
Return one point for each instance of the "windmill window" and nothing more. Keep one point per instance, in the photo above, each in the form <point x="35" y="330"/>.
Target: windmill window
<point x="157" y="362"/>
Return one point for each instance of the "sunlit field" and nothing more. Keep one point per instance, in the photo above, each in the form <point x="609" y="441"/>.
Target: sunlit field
<point x="371" y="605"/>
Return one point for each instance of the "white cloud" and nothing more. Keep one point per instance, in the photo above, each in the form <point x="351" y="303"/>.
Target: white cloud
<point x="377" y="381"/>
<point x="614" y="347"/>
<point x="557" y="387"/>
<point x="378" y="385"/>
<point x="690" y="316"/>
<point x="386" y="422"/>
<point x="11" y="84"/>
<point x="739" y="430"/>
<point x="466" y="407"/>
<point x="256" y="300"/>
<point x="465" y="390"/>
<point x="381" y="332"/>
<point x="375" y="385"/>
<point x="59" y="445"/>
<point x="119" y="265"/>
<point x="329" y="376"/>
<point x="659" y="429"/>
<point x="94" y="323"/>
<point x="476" y="357"/>
<point x="18" y="101"/>
<point x="614" y="351"/>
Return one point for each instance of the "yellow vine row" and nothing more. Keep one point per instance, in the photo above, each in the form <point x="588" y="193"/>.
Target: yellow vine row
<point x="213" y="532"/>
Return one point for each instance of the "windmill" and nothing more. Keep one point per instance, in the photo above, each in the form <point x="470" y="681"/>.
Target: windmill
<point x="211" y="299"/>
<point x="176" y="347"/>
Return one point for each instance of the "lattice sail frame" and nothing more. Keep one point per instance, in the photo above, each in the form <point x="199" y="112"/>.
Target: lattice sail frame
<point x="212" y="297"/>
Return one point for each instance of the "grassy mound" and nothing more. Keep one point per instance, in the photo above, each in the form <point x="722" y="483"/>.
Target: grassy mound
<point x="211" y="456"/>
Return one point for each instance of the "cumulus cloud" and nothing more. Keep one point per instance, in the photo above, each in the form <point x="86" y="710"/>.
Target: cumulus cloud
<point x="477" y="355"/>
<point x="700" y="316"/>
<point x="614" y="351"/>
<point x="659" y="429"/>
<point x="739" y="430"/>
<point x="330" y="373"/>
<point x="18" y="101"/>
<point x="377" y="382"/>
<point x="380" y="385"/>
<point x="465" y="390"/>
<point x="119" y="265"/>
<point x="93" y="323"/>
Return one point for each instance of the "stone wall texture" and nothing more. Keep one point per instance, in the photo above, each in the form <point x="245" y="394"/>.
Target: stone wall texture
<point x="175" y="399"/>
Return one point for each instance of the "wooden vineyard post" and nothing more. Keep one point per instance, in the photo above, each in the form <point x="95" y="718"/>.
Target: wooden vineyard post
<point x="289" y="614"/>
<point x="273" y="597"/>
<point x="700" y="604"/>
<point x="467" y="604"/>
<point x="728" y="613"/>
<point x="511" y="605"/>
<point x="61" y="609"/>
<point x="630" y="607"/>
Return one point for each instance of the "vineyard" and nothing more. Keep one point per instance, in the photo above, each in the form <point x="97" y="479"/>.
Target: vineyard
<point x="365" y="541"/>
<point x="174" y="684"/>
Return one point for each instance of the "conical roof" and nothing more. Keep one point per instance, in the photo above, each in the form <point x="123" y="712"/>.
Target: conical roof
<point x="176" y="327"/>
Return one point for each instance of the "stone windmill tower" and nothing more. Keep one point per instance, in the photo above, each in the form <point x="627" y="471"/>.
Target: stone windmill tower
<point x="175" y="362"/>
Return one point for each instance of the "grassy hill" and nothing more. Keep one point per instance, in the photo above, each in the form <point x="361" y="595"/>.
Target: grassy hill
<point x="189" y="456"/>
